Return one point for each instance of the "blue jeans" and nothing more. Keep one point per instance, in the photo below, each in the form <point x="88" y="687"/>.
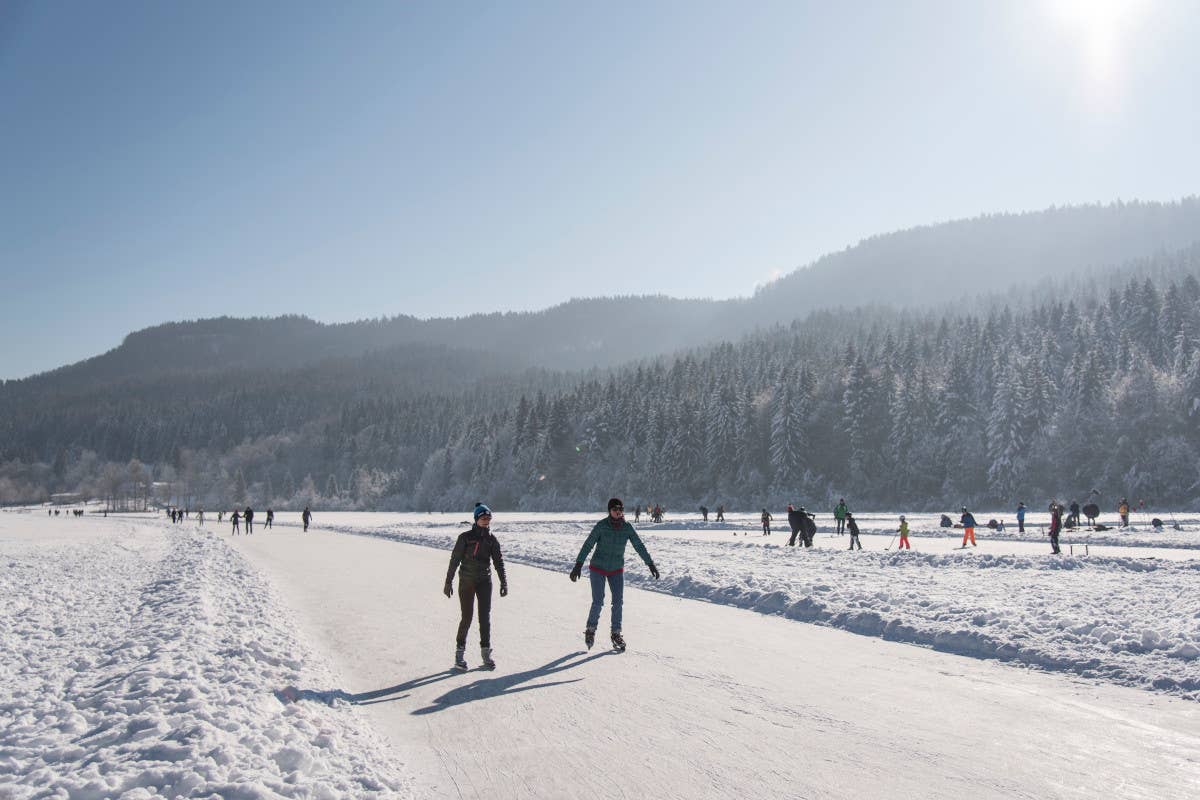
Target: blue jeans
<point x="617" y="584"/>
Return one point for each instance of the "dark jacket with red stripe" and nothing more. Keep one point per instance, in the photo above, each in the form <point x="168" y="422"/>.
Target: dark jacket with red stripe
<point x="476" y="550"/>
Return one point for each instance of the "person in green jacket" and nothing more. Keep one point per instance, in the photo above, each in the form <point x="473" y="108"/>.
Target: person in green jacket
<point x="609" y="537"/>
<point x="839" y="513"/>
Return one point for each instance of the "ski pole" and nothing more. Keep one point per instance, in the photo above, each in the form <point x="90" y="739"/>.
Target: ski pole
<point x="889" y="544"/>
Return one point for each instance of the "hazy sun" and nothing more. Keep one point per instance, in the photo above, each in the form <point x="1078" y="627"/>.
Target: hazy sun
<point x="1098" y="28"/>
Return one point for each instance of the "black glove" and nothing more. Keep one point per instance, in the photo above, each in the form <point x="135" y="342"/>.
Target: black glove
<point x="654" y="570"/>
<point x="504" y="590"/>
<point x="577" y="571"/>
<point x="448" y="590"/>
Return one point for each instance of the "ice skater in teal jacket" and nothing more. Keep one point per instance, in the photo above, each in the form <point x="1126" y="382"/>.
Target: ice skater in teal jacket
<point x="609" y="537"/>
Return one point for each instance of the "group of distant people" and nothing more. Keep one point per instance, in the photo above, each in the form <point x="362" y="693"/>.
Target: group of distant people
<point x="239" y="518"/>
<point x="803" y="523"/>
<point x="656" y="512"/>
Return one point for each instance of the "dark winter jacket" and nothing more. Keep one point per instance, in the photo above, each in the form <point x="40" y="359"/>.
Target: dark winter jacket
<point x="474" y="550"/>
<point x="852" y="526"/>
<point x="1021" y="513"/>
<point x="968" y="520"/>
<point x="796" y="519"/>
<point x="609" y="538"/>
<point x="808" y="525"/>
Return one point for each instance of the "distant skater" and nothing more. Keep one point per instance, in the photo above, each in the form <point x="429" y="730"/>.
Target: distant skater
<point x="248" y="515"/>
<point x="200" y="516"/>
<point x="306" y="517"/>
<point x="903" y="531"/>
<point x="720" y="513"/>
<point x="220" y="517"/>
<point x="839" y="513"/>
<point x="472" y="558"/>
<point x="766" y="522"/>
<point x="1020" y="517"/>
<point x="1123" y="511"/>
<point x="609" y="536"/>
<point x="794" y="524"/>
<point x="808" y="526"/>
<point x="852" y="526"/>
<point x="270" y="517"/>
<point x="968" y="523"/>
<point x="1056" y="522"/>
<point x="703" y="513"/>
<point x="236" y="517"/>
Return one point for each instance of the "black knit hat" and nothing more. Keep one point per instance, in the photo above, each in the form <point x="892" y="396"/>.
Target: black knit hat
<point x="613" y="502"/>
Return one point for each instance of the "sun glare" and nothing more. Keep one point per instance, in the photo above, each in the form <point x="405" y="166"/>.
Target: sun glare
<point x="1099" y="28"/>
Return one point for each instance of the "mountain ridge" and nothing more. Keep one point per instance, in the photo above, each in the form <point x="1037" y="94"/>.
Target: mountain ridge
<point x="943" y="262"/>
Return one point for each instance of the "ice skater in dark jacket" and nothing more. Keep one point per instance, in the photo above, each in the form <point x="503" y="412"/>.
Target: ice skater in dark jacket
<point x="852" y="526"/>
<point x="474" y="554"/>
<point x="795" y="524"/>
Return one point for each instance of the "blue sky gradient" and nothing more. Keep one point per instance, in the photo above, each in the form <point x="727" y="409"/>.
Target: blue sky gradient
<point x="166" y="161"/>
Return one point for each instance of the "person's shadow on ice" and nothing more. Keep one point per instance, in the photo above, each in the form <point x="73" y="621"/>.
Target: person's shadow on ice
<point x="508" y="684"/>
<point x="291" y="694"/>
<point x="476" y="690"/>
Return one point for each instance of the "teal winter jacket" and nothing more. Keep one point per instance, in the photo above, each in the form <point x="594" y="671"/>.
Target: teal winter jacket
<point x="609" y="541"/>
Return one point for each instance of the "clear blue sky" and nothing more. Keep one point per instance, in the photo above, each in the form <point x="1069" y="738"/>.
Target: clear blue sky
<point x="164" y="160"/>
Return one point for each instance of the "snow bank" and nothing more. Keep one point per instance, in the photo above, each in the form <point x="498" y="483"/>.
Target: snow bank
<point x="143" y="662"/>
<point x="1130" y="621"/>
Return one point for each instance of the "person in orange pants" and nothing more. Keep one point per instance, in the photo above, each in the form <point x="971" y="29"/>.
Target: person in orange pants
<point x="968" y="523"/>
<point x="903" y="531"/>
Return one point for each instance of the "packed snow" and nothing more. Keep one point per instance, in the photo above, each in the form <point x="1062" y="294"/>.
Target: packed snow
<point x="145" y="661"/>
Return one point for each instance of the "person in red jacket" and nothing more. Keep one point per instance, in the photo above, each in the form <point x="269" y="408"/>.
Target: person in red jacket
<point x="1056" y="512"/>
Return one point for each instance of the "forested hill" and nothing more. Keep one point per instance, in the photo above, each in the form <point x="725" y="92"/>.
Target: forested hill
<point x="928" y="266"/>
<point x="1096" y="388"/>
<point x="1081" y="386"/>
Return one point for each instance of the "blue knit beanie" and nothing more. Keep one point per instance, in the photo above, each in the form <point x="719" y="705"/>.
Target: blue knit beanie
<point x="481" y="510"/>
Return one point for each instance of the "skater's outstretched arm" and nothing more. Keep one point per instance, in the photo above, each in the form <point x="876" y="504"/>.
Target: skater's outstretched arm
<point x="636" y="541"/>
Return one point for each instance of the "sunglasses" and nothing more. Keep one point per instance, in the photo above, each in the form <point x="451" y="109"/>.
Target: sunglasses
<point x="617" y="508"/>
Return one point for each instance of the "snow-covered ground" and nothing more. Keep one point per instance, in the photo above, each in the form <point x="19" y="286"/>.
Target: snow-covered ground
<point x="143" y="658"/>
